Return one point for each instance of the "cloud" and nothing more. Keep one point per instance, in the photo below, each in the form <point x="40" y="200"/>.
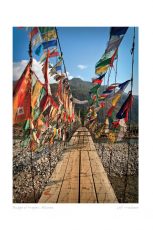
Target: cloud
<point x="82" y="67"/>
<point x="37" y="68"/>
<point x="18" y="68"/>
<point x="70" y="77"/>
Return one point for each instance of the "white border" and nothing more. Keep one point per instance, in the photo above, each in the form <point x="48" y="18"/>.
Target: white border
<point x="77" y="13"/>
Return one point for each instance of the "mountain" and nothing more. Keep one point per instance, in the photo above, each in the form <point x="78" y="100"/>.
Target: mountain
<point x="80" y="90"/>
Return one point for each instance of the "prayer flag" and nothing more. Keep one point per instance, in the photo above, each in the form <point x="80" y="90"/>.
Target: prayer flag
<point x="22" y="97"/>
<point x="38" y="50"/>
<point x="44" y="30"/>
<point x="123" y="112"/>
<point x="49" y="35"/>
<point x="36" y="40"/>
<point x="100" y="70"/>
<point x="114" y="43"/>
<point x="94" y="89"/>
<point x="49" y="43"/>
<point x="118" y="31"/>
<point x="33" y="32"/>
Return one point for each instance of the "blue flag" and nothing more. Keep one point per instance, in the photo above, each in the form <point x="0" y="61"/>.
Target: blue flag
<point x="118" y="31"/>
<point x="49" y="43"/>
<point x="123" y="85"/>
<point x="38" y="50"/>
<point x="58" y="68"/>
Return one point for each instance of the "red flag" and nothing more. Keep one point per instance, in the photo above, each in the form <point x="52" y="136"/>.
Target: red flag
<point x="109" y="112"/>
<point x="22" y="97"/>
<point x="45" y="72"/>
<point x="53" y="54"/>
<point x="113" y="57"/>
<point x="96" y="81"/>
<point x="46" y="102"/>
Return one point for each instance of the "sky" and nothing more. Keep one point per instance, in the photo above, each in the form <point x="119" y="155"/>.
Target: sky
<point x="82" y="47"/>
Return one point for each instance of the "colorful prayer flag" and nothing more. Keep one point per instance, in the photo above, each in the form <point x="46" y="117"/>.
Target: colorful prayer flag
<point x="54" y="54"/>
<point x="123" y="85"/>
<point x="49" y="43"/>
<point x="105" y="59"/>
<point x="97" y="81"/>
<point x="123" y="129"/>
<point x="114" y="103"/>
<point x="38" y="50"/>
<point x="22" y="97"/>
<point x="94" y="89"/>
<point x="100" y="70"/>
<point x="118" y="31"/>
<point x="116" y="99"/>
<point x="36" y="92"/>
<point x="33" y="32"/>
<point x="36" y="40"/>
<point x="58" y="68"/>
<point x="49" y="35"/>
<point x="44" y="30"/>
<point x="113" y="43"/>
<point x="123" y="112"/>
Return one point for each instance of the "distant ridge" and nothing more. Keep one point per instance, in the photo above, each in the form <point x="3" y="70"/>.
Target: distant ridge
<point x="80" y="90"/>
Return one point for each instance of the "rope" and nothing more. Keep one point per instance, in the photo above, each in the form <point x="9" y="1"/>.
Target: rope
<point x="110" y="70"/>
<point x="116" y="70"/>
<point x="126" y="175"/>
<point x="61" y="52"/>
<point x="111" y="151"/>
<point x="32" y="173"/>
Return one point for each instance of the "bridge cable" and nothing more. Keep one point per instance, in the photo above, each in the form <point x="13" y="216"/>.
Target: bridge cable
<point x="31" y="155"/>
<point x="111" y="150"/>
<point x="129" y="131"/>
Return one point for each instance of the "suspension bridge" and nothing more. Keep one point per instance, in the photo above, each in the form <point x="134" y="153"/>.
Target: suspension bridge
<point x="48" y="116"/>
<point x="80" y="176"/>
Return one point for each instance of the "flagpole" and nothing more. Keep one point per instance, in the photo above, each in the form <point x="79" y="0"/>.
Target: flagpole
<point x="48" y="93"/>
<point x="62" y="56"/>
<point x="30" y="62"/>
<point x="127" y="166"/>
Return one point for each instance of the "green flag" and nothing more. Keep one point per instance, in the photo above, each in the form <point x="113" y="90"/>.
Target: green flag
<point x="94" y="89"/>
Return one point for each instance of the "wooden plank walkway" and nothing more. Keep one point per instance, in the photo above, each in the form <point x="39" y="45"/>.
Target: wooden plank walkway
<point x="80" y="176"/>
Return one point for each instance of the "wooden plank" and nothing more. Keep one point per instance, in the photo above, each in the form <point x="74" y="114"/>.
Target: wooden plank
<point x="51" y="192"/>
<point x="104" y="190"/>
<point x="74" y="140"/>
<point x="87" y="191"/>
<point x="80" y="140"/>
<point x="70" y="188"/>
<point x="89" y="145"/>
<point x="80" y="176"/>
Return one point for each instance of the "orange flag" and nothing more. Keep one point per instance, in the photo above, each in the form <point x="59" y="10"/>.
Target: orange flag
<point x="21" y="97"/>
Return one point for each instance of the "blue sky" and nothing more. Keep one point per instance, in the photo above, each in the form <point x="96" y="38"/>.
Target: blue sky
<point x="82" y="47"/>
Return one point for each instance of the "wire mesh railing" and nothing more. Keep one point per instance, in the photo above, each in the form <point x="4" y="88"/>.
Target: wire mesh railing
<point x="31" y="172"/>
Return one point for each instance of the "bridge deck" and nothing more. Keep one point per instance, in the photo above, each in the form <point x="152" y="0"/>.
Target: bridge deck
<point x="79" y="177"/>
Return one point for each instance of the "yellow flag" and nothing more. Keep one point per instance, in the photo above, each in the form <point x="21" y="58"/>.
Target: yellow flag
<point x="112" y="137"/>
<point x="49" y="35"/>
<point x="53" y="113"/>
<point x="36" y="92"/>
<point x="55" y="130"/>
<point x="116" y="99"/>
<point x="101" y="69"/>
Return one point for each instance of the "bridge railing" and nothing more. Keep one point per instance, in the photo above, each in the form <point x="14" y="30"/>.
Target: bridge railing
<point x="31" y="172"/>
